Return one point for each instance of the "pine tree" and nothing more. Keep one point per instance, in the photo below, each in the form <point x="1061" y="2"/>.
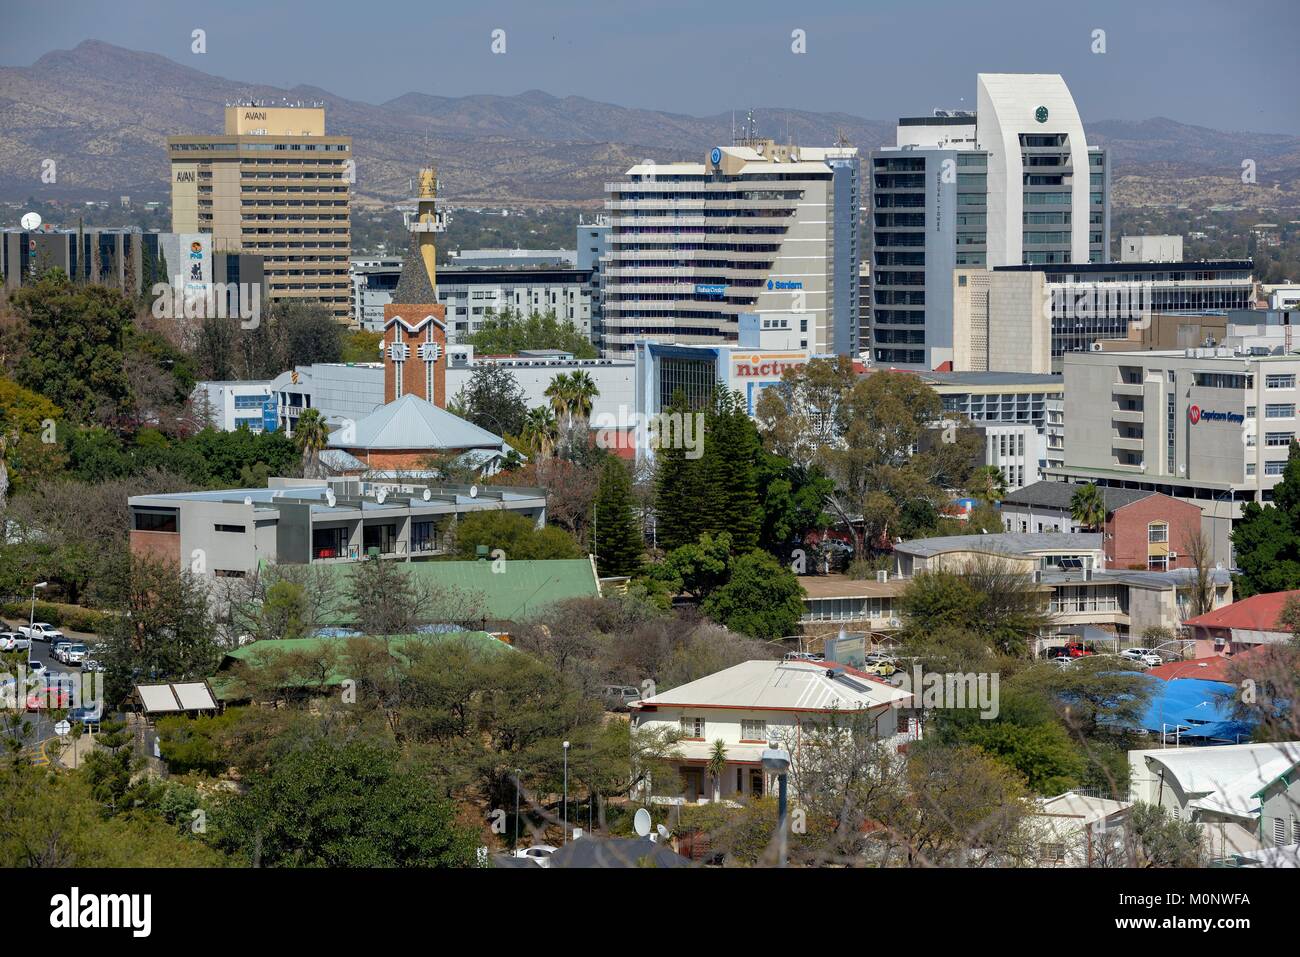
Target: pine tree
<point x="732" y="451"/>
<point x="617" y="539"/>
<point x="677" y="488"/>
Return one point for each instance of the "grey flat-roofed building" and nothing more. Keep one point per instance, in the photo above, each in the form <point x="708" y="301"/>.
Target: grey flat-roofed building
<point x="227" y="533"/>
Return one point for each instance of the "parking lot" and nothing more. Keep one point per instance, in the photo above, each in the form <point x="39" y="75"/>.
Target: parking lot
<point x="40" y="727"/>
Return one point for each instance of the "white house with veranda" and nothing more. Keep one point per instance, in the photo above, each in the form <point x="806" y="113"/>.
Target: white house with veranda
<point x="748" y="705"/>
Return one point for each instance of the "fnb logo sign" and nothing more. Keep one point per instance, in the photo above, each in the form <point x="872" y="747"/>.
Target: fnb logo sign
<point x="1194" y="413"/>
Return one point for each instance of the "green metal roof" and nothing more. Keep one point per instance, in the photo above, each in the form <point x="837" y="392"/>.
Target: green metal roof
<point x="513" y="592"/>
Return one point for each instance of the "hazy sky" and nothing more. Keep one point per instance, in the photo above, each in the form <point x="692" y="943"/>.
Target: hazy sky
<point x="1227" y="64"/>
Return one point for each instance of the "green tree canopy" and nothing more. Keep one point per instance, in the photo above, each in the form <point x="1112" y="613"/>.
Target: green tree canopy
<point x="508" y="332"/>
<point x="343" y="805"/>
<point x="763" y="598"/>
<point x="514" y="534"/>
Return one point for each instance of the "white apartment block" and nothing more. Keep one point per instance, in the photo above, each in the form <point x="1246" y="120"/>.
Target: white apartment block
<point x="472" y="295"/>
<point x="756" y="227"/>
<point x="1208" y="425"/>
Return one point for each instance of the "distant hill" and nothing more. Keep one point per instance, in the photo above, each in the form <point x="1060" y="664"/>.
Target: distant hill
<point x="103" y="113"/>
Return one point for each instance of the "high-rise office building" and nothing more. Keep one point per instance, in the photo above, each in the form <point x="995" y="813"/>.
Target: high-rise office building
<point x="1012" y="183"/>
<point x="272" y="184"/>
<point x="756" y="227"/>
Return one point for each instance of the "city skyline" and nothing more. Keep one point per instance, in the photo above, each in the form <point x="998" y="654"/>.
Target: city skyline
<point x="1153" y="64"/>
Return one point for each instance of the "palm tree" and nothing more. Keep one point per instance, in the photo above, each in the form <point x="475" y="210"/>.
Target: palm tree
<point x="560" y="392"/>
<point x="311" y="435"/>
<point x="541" y="430"/>
<point x="988" y="483"/>
<point x="716" y="764"/>
<point x="1088" y="507"/>
<point x="582" y="393"/>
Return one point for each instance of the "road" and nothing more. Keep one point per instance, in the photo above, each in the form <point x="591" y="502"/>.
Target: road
<point x="41" y="727"/>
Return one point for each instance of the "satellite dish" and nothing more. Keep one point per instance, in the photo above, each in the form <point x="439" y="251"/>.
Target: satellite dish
<point x="641" y="822"/>
<point x="31" y="221"/>
<point x="473" y="491"/>
<point x="381" y="495"/>
<point x="663" y="832"/>
<point x="329" y="497"/>
<point x="248" y="500"/>
<point x="426" y="494"/>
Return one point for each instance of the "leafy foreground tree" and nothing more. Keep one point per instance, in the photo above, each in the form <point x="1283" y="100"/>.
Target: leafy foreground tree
<point x="517" y="536"/>
<point x="52" y="819"/>
<point x="344" y="805"/>
<point x="617" y="540"/>
<point x="1267" y="538"/>
<point x="163" y="628"/>
<point x="1001" y="606"/>
<point x="763" y="599"/>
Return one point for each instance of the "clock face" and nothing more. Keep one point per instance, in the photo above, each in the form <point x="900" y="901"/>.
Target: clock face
<point x="1040" y="114"/>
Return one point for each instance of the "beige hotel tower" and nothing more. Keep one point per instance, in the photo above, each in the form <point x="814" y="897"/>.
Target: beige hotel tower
<point x="274" y="185"/>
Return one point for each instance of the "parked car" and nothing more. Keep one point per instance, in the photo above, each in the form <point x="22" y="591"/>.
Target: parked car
<point x="1077" y="649"/>
<point x="1063" y="660"/>
<point x="72" y="653"/>
<point x="879" y="664"/>
<point x="41" y="631"/>
<point x="619" y="697"/>
<point x="90" y="714"/>
<point x="50" y="695"/>
<point x="92" y="664"/>
<point x="804" y="656"/>
<point x="35" y="668"/>
<point x="14" y="641"/>
<point x="56" y="648"/>
<point x="539" y="854"/>
<point x="1145" y="655"/>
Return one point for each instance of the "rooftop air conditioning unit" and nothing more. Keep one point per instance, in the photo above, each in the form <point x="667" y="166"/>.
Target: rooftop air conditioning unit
<point x="1095" y="347"/>
<point x="882" y="576"/>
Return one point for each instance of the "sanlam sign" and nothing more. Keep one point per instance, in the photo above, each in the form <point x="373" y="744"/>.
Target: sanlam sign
<point x="1196" y="415"/>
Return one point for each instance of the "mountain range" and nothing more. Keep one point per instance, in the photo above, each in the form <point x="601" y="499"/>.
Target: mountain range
<point x="104" y="113"/>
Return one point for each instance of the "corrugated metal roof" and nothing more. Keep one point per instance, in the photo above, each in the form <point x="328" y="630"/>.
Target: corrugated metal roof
<point x="518" y="590"/>
<point x="785" y="685"/>
<point x="413" y="423"/>
<point x="1012" y="543"/>
<point x="1057" y="495"/>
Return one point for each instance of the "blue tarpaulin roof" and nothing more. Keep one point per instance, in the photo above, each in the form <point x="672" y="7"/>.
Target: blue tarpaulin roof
<point x="1195" y="708"/>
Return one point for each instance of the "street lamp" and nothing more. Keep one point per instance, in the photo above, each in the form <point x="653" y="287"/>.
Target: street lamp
<point x="517" y="772"/>
<point x="776" y="760"/>
<point x="32" y="621"/>
<point x="565" y="837"/>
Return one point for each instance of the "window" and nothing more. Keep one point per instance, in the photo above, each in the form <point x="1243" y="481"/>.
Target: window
<point x="236" y="529"/>
<point x="1274" y="468"/>
<point x="1280" y="410"/>
<point x="1279" y="831"/>
<point x="329" y="542"/>
<point x="753" y="730"/>
<point x="1158" y="532"/>
<point x="156" y="521"/>
<point x="692" y="727"/>
<point x="381" y="537"/>
<point x="1279" y="382"/>
<point x="1157" y="563"/>
<point x="1278" y="439"/>
<point x="227" y="573"/>
<point x="1053" y="853"/>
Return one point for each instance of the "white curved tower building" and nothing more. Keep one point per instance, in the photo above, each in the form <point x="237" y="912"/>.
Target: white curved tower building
<point x="1013" y="183"/>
